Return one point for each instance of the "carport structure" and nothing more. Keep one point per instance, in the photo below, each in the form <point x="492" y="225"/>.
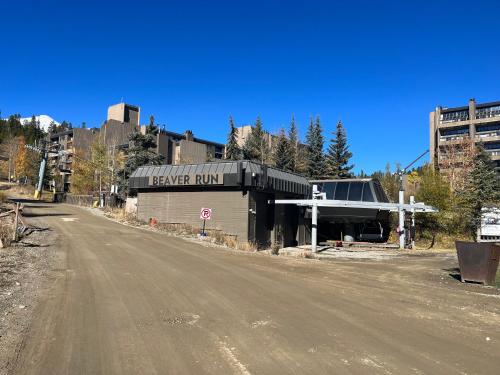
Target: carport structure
<point x="319" y="200"/>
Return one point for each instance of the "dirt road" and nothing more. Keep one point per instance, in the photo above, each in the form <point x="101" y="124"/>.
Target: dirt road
<point x="127" y="301"/>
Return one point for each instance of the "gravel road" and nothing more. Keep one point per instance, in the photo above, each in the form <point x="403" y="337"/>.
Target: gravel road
<point x="126" y="301"/>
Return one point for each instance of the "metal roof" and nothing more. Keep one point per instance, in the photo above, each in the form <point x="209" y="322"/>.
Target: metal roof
<point x="256" y="175"/>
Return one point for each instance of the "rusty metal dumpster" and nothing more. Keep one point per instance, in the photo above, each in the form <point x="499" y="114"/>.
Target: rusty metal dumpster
<point x="478" y="261"/>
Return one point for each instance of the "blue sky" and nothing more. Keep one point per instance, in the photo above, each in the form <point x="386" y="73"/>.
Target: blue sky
<point x="379" y="66"/>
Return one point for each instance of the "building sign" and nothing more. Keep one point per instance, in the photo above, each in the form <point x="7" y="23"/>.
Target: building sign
<point x="187" y="179"/>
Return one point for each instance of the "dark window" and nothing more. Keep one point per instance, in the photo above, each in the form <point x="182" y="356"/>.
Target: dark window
<point x="488" y="128"/>
<point x="451" y="132"/>
<point x="367" y="193"/>
<point x="379" y="193"/>
<point x="492" y="146"/>
<point x="355" y="191"/>
<point x="341" y="192"/>
<point x="329" y="189"/>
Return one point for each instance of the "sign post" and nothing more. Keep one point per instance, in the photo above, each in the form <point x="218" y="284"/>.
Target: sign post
<point x="205" y="214"/>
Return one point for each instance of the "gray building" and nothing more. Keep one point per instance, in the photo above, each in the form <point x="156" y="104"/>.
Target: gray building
<point x="237" y="192"/>
<point x="475" y="123"/>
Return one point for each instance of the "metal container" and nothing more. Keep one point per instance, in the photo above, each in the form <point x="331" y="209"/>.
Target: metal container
<point x="478" y="261"/>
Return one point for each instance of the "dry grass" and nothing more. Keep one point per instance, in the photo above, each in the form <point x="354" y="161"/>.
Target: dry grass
<point x="442" y="241"/>
<point x="22" y="190"/>
<point x="214" y="236"/>
<point x="6" y="231"/>
<point x="307" y="254"/>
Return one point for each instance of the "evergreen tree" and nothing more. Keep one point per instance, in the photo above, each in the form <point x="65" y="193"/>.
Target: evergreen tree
<point x="52" y="128"/>
<point x="256" y="147"/>
<point x="293" y="139"/>
<point x="142" y="151"/>
<point x="315" y="156"/>
<point x="283" y="158"/>
<point x="339" y="155"/>
<point x="233" y="150"/>
<point x="481" y="190"/>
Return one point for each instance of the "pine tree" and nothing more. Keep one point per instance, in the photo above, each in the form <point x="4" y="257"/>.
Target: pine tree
<point x="141" y="152"/>
<point x="256" y="147"/>
<point x="315" y="156"/>
<point x="233" y="150"/>
<point x="283" y="158"/>
<point x="339" y="155"/>
<point x="293" y="140"/>
<point x="481" y="189"/>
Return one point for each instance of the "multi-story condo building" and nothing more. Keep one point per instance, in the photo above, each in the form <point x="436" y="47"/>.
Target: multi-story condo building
<point x="124" y="119"/>
<point x="473" y="124"/>
<point x="68" y="143"/>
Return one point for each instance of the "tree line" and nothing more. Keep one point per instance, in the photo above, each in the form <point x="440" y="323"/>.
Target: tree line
<point x="21" y="162"/>
<point x="285" y="151"/>
<point x="461" y="189"/>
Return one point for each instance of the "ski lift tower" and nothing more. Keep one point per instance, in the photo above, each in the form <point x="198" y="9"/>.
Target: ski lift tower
<point x="42" y="148"/>
<point x="401" y="211"/>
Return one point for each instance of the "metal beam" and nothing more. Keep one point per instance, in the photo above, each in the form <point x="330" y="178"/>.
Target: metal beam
<point x="320" y="201"/>
<point x="394" y="207"/>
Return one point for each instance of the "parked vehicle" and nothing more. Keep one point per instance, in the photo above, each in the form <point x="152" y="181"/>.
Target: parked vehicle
<point x="371" y="232"/>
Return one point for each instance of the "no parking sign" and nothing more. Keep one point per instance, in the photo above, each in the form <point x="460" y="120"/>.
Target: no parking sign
<point x="206" y="214"/>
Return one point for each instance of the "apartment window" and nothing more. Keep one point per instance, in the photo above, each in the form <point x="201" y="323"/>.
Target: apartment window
<point x="455" y="116"/>
<point x="488" y="128"/>
<point x="219" y="152"/>
<point x="454" y="132"/>
<point x="488" y="112"/>
<point x="492" y="146"/>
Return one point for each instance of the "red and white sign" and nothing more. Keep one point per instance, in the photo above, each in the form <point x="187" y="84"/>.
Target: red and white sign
<point x="206" y="213"/>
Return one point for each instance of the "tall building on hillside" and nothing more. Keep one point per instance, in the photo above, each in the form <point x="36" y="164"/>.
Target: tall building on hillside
<point x="123" y="119"/>
<point x="123" y="112"/>
<point x="474" y="123"/>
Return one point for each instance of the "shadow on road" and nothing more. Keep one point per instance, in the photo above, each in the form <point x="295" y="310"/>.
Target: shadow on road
<point x="454" y="272"/>
<point x="25" y="200"/>
<point x="42" y="214"/>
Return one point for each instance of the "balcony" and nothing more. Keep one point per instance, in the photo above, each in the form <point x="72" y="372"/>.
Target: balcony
<point x="450" y="140"/>
<point x="487" y="137"/>
<point x="488" y="112"/>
